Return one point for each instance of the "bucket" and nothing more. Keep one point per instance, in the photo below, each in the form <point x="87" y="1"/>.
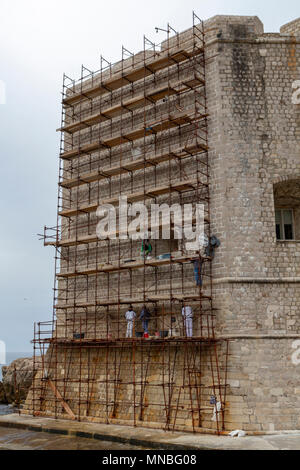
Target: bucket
<point x="163" y="333"/>
<point x="164" y="256"/>
<point x="139" y="334"/>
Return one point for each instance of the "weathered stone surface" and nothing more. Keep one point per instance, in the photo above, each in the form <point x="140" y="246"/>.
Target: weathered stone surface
<point x="17" y="379"/>
<point x="2" y="394"/>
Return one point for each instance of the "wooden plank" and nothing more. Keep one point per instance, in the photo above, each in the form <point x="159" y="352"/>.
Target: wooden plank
<point x="166" y="121"/>
<point x="150" y="129"/>
<point x="178" y="297"/>
<point x="133" y="165"/>
<point x="133" y="300"/>
<point x="59" y="397"/>
<point x="124" y="107"/>
<point x="85" y="239"/>
<point x="106" y="268"/>
<point x="133" y="197"/>
<point x="118" y="80"/>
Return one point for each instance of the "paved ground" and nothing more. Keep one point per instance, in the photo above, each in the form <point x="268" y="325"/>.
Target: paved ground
<point x="33" y="432"/>
<point x="22" y="439"/>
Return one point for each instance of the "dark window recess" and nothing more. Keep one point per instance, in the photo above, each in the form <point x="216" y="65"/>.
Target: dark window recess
<point x="284" y="224"/>
<point x="288" y="232"/>
<point x="278" y="233"/>
<point x="278" y="224"/>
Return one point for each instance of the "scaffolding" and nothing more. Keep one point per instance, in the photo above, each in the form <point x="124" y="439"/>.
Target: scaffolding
<point x="138" y="128"/>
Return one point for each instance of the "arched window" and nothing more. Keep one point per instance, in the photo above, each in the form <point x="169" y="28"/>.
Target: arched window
<point x="287" y="210"/>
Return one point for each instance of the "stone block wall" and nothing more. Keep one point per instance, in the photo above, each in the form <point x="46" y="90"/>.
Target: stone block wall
<point x="291" y="28"/>
<point x="256" y="277"/>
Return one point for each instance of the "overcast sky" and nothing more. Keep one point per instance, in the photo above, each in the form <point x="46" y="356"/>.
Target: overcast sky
<point x="39" y="40"/>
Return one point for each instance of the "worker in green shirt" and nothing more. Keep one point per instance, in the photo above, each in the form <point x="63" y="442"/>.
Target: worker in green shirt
<point x="146" y="249"/>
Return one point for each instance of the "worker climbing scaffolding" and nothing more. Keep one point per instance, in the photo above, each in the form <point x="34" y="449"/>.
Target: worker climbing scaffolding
<point x="146" y="248"/>
<point x="209" y="251"/>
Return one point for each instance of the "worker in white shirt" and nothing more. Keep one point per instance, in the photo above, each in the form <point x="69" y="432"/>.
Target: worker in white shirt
<point x="187" y="314"/>
<point x="130" y="316"/>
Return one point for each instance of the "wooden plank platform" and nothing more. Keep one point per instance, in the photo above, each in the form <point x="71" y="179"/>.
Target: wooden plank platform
<point x="132" y="104"/>
<point x="131" y="166"/>
<point x="93" y="238"/>
<point x="185" y="185"/>
<point x="69" y="342"/>
<point x="166" y="122"/>
<point x="134" y="300"/>
<point x="133" y="74"/>
<point x="107" y="268"/>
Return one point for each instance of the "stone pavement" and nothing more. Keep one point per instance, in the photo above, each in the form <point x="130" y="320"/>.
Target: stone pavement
<point x="153" y="438"/>
<point x="23" y="439"/>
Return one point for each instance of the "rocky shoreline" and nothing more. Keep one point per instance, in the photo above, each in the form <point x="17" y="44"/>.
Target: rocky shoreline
<point x="16" y="381"/>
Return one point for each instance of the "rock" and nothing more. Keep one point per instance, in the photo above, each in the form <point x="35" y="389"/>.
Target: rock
<point x="2" y="394"/>
<point x="17" y="379"/>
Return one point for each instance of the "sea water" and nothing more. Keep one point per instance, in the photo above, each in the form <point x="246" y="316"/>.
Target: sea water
<point x="6" y="409"/>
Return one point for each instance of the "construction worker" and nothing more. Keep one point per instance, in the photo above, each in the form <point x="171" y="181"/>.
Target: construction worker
<point x="187" y="315"/>
<point x="146" y="249"/>
<point x="130" y="316"/>
<point x="145" y="317"/>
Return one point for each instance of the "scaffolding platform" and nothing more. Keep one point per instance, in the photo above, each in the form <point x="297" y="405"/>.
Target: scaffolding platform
<point x="143" y="263"/>
<point x="152" y="298"/>
<point x="180" y="186"/>
<point x="133" y="104"/>
<point x="153" y="127"/>
<point x="135" y="165"/>
<point x="118" y="80"/>
<point x="138" y="129"/>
